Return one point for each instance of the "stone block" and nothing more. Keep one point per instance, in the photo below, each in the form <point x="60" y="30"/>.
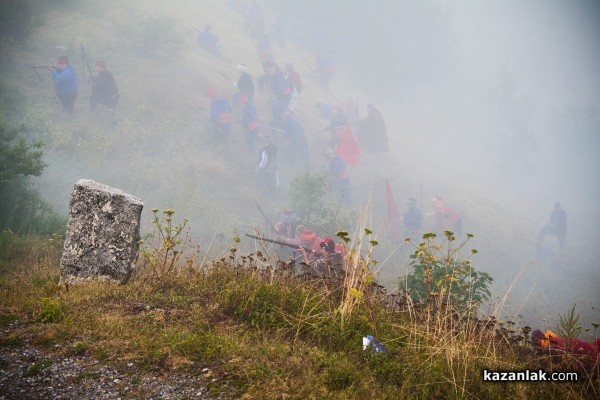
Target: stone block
<point x="102" y="235"/>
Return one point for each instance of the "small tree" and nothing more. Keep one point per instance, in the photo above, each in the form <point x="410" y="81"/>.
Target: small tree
<point x="18" y="158"/>
<point x="22" y="209"/>
<point x="16" y="19"/>
<point x="310" y="196"/>
<point x="307" y="193"/>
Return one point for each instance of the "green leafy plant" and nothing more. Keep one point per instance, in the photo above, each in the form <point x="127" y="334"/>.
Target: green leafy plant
<point x="52" y="311"/>
<point x="438" y="272"/>
<point x="307" y="193"/>
<point x="16" y="20"/>
<point x="38" y="367"/>
<point x="360" y="270"/>
<point x="22" y="209"/>
<point x="310" y="195"/>
<point x="569" y="327"/>
<point x="164" y="246"/>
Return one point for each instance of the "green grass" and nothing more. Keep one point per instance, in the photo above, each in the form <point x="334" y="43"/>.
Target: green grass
<point x="267" y="336"/>
<point x="38" y="367"/>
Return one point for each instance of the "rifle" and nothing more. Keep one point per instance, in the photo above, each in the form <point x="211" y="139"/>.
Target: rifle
<point x="226" y="77"/>
<point x="84" y="61"/>
<point x="325" y="129"/>
<point x="272" y="129"/>
<point x="330" y="126"/>
<point x="266" y="218"/>
<point x="294" y="246"/>
<point x="35" y="68"/>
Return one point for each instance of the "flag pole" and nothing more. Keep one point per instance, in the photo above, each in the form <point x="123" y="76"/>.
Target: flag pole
<point x="421" y="196"/>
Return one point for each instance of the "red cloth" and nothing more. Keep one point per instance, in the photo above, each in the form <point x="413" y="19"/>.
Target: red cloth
<point x="348" y="149"/>
<point x="393" y="215"/>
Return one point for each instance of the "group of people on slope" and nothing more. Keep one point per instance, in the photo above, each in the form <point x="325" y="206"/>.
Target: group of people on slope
<point x="449" y="219"/>
<point x="446" y="219"/>
<point x="282" y="88"/>
<point x="104" y="87"/>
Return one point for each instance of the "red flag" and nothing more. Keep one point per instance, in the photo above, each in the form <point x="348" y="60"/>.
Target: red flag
<point x="393" y="215"/>
<point x="348" y="149"/>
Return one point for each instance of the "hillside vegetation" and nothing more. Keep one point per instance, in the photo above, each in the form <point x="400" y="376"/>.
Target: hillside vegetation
<point x="228" y="311"/>
<point x="255" y="331"/>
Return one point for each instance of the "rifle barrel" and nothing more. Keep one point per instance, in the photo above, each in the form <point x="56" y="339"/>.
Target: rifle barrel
<point x="295" y="246"/>
<point x="225" y="76"/>
<point x="272" y="129"/>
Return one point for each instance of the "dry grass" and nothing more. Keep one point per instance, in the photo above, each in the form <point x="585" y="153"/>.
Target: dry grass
<point x="266" y="334"/>
<point x="270" y="336"/>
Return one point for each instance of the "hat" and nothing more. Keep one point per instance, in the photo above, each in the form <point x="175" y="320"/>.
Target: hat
<point x="242" y="67"/>
<point x="62" y="60"/>
<point x="211" y="92"/>
<point x="308" y="234"/>
<point x="101" y="64"/>
<point x="328" y="244"/>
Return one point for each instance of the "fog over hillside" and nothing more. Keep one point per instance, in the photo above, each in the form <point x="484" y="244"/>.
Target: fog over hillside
<point x="494" y="106"/>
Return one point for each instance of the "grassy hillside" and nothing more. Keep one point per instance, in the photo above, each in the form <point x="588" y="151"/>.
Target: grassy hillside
<point x="161" y="149"/>
<point x="234" y="328"/>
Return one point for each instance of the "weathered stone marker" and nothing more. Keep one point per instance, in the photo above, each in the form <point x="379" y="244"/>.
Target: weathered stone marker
<point x="102" y="234"/>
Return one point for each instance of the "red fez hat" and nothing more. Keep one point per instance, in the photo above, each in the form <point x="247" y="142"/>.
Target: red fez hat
<point x="308" y="234"/>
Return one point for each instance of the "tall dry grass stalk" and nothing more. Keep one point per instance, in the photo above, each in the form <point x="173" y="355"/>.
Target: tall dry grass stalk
<point x="360" y="273"/>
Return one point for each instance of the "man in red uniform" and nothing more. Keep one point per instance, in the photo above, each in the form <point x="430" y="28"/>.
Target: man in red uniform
<point x="326" y="262"/>
<point x="446" y="218"/>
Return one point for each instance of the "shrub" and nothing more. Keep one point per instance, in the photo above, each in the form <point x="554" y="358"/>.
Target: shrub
<point x="309" y="193"/>
<point x="162" y="248"/>
<point x="22" y="209"/>
<point x="52" y="311"/>
<point x="15" y="19"/>
<point x="439" y="273"/>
